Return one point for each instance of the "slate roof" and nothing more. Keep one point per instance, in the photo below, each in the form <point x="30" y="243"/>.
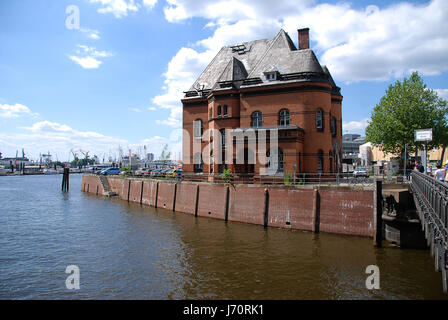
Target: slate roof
<point x="246" y="65"/>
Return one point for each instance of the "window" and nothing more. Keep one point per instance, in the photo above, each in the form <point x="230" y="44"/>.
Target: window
<point x="198" y="128"/>
<point x="333" y="126"/>
<point x="210" y="113"/>
<point x="225" y="110"/>
<point x="271" y="76"/>
<point x="284" y="117"/>
<point x="319" y="120"/>
<point x="198" y="163"/>
<point x="257" y="119"/>
<point x="223" y="137"/>
<point x="219" y="111"/>
<point x="320" y="161"/>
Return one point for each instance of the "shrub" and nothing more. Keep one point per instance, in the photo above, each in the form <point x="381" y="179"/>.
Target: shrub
<point x="227" y="176"/>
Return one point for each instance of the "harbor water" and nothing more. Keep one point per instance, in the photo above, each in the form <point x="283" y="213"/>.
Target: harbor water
<point x="128" y="251"/>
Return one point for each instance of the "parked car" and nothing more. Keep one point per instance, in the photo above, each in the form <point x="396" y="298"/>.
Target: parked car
<point x="171" y="173"/>
<point x="142" y="171"/>
<point x="360" y="172"/>
<point x="110" y="171"/>
<point x="155" y="173"/>
<point x="163" y="172"/>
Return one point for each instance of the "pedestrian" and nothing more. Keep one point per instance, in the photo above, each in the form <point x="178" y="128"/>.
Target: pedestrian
<point x="419" y="167"/>
<point x="440" y="173"/>
<point x="428" y="169"/>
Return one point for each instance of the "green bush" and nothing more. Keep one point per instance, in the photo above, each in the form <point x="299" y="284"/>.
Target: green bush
<point x="227" y="176"/>
<point x="287" y="178"/>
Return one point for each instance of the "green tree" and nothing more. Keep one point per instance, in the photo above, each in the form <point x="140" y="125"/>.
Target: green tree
<point x="408" y="106"/>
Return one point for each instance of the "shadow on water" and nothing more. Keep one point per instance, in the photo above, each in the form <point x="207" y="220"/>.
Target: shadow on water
<point x="127" y="251"/>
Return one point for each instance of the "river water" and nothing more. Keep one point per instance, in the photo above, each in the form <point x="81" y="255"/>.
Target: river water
<point x="128" y="251"/>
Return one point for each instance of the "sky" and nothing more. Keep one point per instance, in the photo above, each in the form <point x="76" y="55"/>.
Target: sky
<point x="94" y="75"/>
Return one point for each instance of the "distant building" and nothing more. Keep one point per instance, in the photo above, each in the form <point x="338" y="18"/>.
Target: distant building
<point x="15" y="161"/>
<point x="350" y="147"/>
<point x="150" y="157"/>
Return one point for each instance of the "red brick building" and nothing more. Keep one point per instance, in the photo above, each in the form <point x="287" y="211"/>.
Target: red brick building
<point x="264" y="85"/>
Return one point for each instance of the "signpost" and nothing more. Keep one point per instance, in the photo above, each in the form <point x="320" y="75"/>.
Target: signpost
<point x="423" y="135"/>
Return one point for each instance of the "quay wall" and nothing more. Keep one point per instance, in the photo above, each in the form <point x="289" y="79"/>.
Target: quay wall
<point x="92" y="184"/>
<point x="330" y="209"/>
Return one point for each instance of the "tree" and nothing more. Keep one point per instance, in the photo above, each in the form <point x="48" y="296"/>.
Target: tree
<point x="408" y="106"/>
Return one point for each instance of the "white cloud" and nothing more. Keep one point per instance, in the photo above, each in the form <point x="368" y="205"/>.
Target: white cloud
<point x="86" y="62"/>
<point x="14" y="111"/>
<point x="138" y="110"/>
<point x="442" y="93"/>
<point x="149" y="3"/>
<point x="182" y="71"/>
<point x="92" y="34"/>
<point x="355" y="126"/>
<point x="121" y="8"/>
<point x="88" y="57"/>
<point x="152" y="108"/>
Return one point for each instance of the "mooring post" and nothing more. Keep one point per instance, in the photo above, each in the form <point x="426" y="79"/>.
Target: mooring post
<point x="377" y="214"/>
<point x="65" y="179"/>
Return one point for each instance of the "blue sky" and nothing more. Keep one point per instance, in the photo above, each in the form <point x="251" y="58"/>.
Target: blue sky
<point x="118" y="79"/>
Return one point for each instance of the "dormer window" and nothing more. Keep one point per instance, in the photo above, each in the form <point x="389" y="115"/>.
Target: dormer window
<point x="271" y="76"/>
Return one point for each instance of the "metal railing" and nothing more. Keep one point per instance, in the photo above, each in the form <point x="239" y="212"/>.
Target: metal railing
<point x="431" y="199"/>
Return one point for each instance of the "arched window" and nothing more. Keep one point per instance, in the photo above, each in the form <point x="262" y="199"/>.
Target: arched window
<point x="319" y="120"/>
<point x="219" y="111"/>
<point x="284" y="117"/>
<point x="198" y="128"/>
<point x="320" y="161"/>
<point x="198" y="162"/>
<point x="257" y="119"/>
<point x="225" y="110"/>
<point x="333" y="126"/>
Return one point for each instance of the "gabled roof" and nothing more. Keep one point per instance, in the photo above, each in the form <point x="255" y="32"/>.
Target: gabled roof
<point x="251" y="61"/>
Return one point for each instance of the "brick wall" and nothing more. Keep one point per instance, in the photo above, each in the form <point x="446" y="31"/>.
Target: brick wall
<point x="341" y="210"/>
<point x="91" y="184"/>
<point x="346" y="211"/>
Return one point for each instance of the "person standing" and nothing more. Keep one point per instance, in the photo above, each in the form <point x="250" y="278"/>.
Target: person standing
<point x="439" y="174"/>
<point x="428" y="170"/>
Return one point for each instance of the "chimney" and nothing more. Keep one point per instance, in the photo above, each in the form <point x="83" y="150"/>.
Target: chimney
<point x="304" y="38"/>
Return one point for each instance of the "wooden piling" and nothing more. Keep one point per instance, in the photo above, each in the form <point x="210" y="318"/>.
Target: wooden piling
<point x="66" y="180"/>
<point x="377" y="214"/>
